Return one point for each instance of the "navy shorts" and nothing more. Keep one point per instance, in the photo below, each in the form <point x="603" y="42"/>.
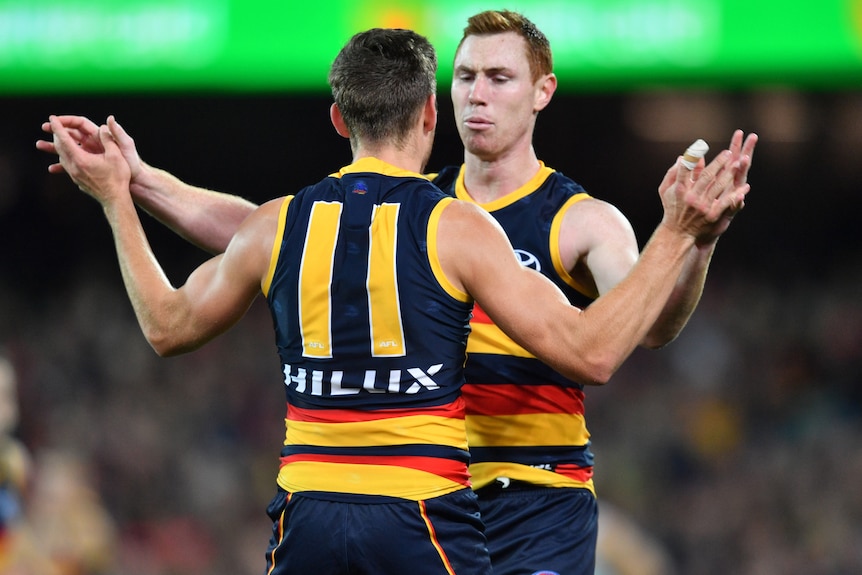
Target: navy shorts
<point x="540" y="530"/>
<point x="439" y="536"/>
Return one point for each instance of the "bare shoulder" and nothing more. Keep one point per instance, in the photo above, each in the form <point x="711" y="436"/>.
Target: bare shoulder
<point x="256" y="234"/>
<point x="469" y="240"/>
<point x="590" y="222"/>
<point x="594" y="232"/>
<point x="466" y="218"/>
<point x="593" y="210"/>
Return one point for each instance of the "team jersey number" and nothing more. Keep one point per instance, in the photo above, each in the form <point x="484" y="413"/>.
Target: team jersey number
<point x="386" y="333"/>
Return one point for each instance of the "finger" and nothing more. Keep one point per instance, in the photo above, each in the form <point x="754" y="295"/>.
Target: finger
<point x="63" y="141"/>
<point x="45" y="146"/>
<point x="732" y="203"/>
<point x="65" y="147"/>
<point x="670" y="175"/>
<point x="706" y="180"/>
<point x="107" y="140"/>
<point x="80" y="123"/>
<point x="123" y="139"/>
<point x="748" y="146"/>
<point x="736" y="143"/>
<point x="746" y="155"/>
<point x="695" y="152"/>
<point x="724" y="179"/>
<point x="733" y="197"/>
<point x="81" y="132"/>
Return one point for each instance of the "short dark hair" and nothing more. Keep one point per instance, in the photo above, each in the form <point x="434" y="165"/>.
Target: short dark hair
<point x="500" y="21"/>
<point x="380" y="81"/>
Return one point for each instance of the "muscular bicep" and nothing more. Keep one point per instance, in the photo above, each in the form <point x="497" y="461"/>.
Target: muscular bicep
<point x="220" y="291"/>
<point x="478" y="258"/>
<point x="598" y="246"/>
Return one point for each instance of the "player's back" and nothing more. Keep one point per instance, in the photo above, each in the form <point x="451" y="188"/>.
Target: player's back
<point x="372" y="344"/>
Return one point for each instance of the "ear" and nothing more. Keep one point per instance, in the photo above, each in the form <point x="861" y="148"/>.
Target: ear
<point x="429" y="114"/>
<point x="338" y="121"/>
<point x="545" y="91"/>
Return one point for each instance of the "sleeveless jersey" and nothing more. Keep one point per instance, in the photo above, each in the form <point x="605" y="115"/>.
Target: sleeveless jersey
<point x="371" y="339"/>
<point x="525" y="421"/>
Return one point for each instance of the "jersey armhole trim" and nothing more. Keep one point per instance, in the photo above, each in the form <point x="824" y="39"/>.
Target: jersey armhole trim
<point x="276" y="245"/>
<point x="433" y="256"/>
<point x="556" y="227"/>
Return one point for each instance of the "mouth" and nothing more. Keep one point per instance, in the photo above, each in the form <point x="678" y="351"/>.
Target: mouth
<point x="477" y="123"/>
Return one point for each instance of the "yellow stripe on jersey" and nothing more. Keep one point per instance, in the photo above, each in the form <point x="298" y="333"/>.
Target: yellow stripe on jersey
<point x="315" y="279"/>
<point x="485" y="473"/>
<point x="525" y="430"/>
<point x="387" y="331"/>
<point x="412" y="429"/>
<point x="364" y="479"/>
<point x="276" y="246"/>
<point x="556" y="226"/>
<point x="434" y="256"/>
<point x="488" y="338"/>
<point x="528" y="188"/>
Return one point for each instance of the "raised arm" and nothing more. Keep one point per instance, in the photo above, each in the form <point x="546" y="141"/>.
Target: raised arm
<point x="588" y="345"/>
<point x="203" y="217"/>
<point x="216" y="295"/>
<point x="597" y="242"/>
<point x="689" y="288"/>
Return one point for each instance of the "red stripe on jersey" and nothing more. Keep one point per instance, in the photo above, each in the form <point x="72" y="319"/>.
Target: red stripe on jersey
<point x="453" y="410"/>
<point x="512" y="399"/>
<point x="581" y="474"/>
<point x="479" y="315"/>
<point x="452" y="470"/>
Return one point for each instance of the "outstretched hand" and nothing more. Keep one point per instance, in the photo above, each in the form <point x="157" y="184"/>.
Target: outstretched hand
<point x="94" y="162"/>
<point x="702" y="202"/>
<point x="85" y="134"/>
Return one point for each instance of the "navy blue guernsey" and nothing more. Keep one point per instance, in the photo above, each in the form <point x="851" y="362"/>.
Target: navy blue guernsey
<point x="525" y="421"/>
<point x="371" y="338"/>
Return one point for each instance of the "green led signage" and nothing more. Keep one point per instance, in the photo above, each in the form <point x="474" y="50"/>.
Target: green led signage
<point x="66" y="46"/>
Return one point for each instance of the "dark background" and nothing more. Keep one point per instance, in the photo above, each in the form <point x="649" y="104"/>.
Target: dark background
<point x="738" y="448"/>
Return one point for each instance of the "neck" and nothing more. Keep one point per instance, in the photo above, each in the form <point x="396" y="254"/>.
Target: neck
<point x="489" y="179"/>
<point x="399" y="158"/>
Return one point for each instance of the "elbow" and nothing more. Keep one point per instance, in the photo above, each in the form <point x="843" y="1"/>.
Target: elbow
<point x="592" y="369"/>
<point x="163" y="344"/>
<point x="601" y="374"/>
<point x="655" y="343"/>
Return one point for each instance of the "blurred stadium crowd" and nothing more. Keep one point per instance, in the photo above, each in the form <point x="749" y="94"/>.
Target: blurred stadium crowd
<point x="736" y="449"/>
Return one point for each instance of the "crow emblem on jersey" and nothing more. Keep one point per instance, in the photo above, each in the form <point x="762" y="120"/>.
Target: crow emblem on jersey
<point x="360" y="188"/>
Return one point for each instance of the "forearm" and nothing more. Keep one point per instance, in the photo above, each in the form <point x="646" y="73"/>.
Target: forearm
<point x="683" y="300"/>
<point x="619" y="320"/>
<point x="146" y="284"/>
<point x="205" y="218"/>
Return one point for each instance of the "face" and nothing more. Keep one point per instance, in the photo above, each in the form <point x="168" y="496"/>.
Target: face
<point x="494" y="97"/>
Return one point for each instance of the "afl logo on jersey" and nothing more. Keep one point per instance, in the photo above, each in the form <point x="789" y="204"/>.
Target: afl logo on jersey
<point x="528" y="260"/>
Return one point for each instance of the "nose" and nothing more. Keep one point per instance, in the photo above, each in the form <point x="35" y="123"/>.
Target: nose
<point x="477" y="90"/>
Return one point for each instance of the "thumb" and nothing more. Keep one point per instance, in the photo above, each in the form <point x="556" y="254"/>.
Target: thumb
<point x="119" y="133"/>
<point x="126" y="144"/>
<point x="106" y="138"/>
<point x="62" y="139"/>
